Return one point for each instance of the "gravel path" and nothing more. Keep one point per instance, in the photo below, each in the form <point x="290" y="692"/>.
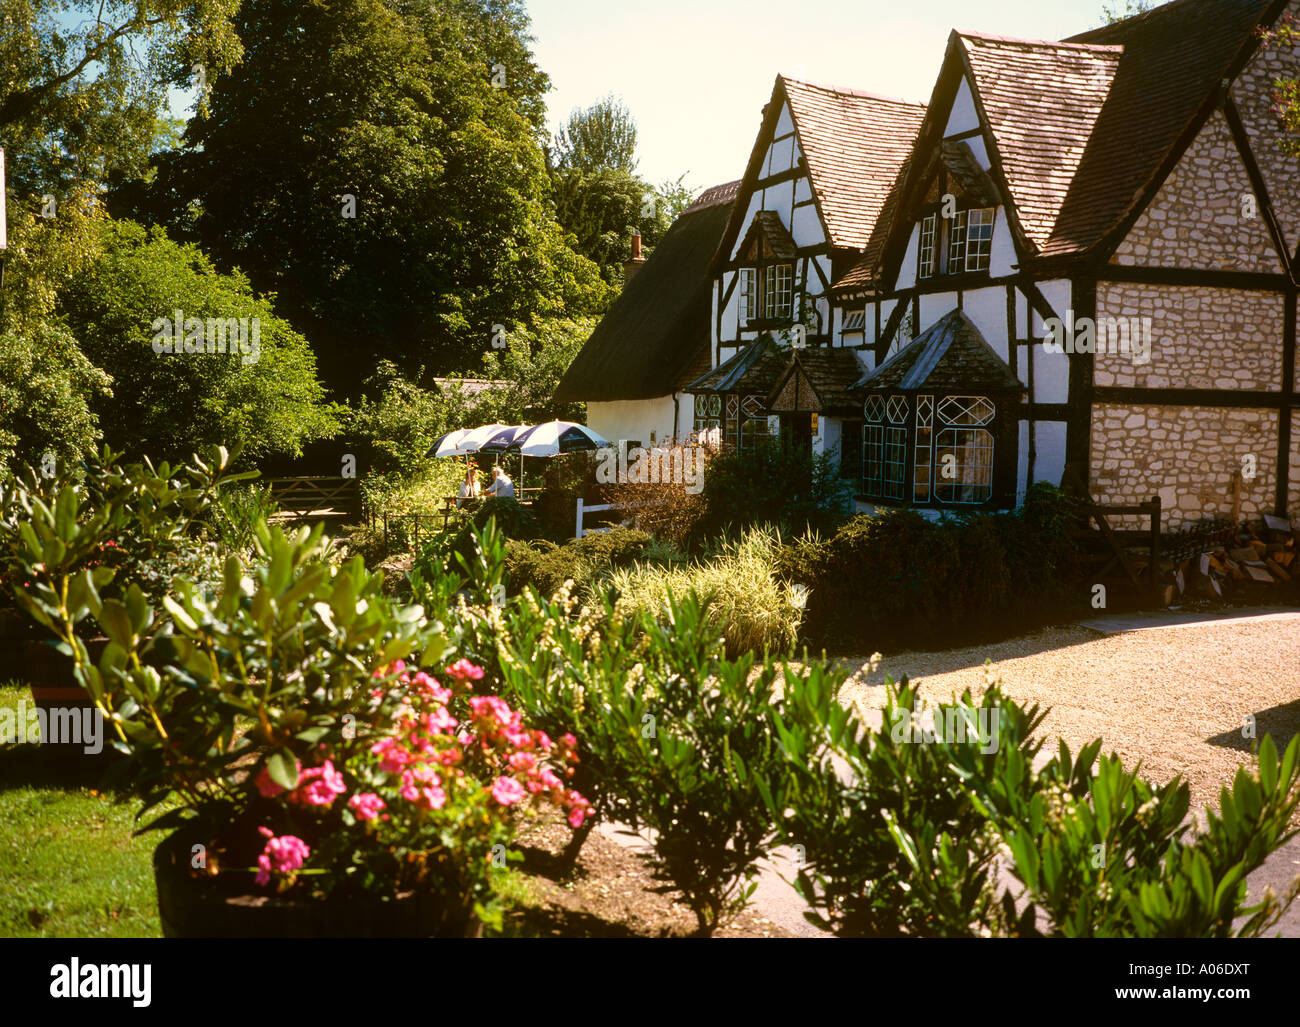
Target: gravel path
<point x="1173" y="698"/>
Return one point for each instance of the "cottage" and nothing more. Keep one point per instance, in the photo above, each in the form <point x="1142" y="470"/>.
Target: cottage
<point x="1079" y="258"/>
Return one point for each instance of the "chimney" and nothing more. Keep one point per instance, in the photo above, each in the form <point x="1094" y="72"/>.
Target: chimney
<point x="633" y="264"/>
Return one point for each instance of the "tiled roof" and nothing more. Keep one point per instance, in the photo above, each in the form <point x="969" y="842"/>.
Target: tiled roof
<point x="658" y="327"/>
<point x="1174" y="57"/>
<point x="778" y="236"/>
<point x="853" y="143"/>
<point x="831" y="371"/>
<point x="1041" y="101"/>
<point x="950" y="354"/>
<point x="755" y="368"/>
<point x="1083" y="126"/>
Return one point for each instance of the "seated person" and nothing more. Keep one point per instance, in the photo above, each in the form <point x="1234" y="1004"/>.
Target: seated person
<point x="469" y="488"/>
<point x="501" y="487"/>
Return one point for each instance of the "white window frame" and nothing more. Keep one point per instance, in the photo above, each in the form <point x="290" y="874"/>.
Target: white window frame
<point x="979" y="238"/>
<point x="748" y="294"/>
<point x="925" y="256"/>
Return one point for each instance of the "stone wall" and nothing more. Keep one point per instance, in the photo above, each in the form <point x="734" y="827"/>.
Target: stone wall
<point x="1185" y="455"/>
<point x="1293" y="486"/>
<point x="1253" y="94"/>
<point x="1200" y="338"/>
<point x="1197" y="218"/>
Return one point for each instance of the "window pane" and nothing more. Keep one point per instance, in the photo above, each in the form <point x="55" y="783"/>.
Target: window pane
<point x="748" y="294"/>
<point x="895" y="462"/>
<point x="964" y="465"/>
<point x="873" y="459"/>
<point x="966" y="410"/>
<point x="925" y="264"/>
<point x="979" y="240"/>
<point x="874" y="408"/>
<point x="922" y="449"/>
<point x="957" y="242"/>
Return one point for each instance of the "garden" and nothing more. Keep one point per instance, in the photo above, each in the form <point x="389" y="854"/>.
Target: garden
<point x="290" y="748"/>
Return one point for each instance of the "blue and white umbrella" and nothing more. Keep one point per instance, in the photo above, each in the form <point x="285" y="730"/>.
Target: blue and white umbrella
<point x="556" y="437"/>
<point x="502" y="440"/>
<point x="449" y="444"/>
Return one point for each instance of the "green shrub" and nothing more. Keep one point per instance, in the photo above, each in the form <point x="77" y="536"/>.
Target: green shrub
<point x="745" y="603"/>
<point x="935" y="584"/>
<point x="904" y="841"/>
<point x="544" y="566"/>
<point x="675" y="737"/>
<point x="772" y="484"/>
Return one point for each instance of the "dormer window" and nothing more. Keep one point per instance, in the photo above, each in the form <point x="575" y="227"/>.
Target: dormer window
<point x="962" y="243"/>
<point x="766" y="283"/>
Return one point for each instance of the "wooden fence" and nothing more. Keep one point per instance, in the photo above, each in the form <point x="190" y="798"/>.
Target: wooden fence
<point x="316" y="498"/>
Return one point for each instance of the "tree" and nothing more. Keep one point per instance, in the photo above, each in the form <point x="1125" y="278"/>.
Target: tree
<point x="166" y="404"/>
<point x="597" y="138"/>
<point x="378" y="165"/>
<point x="84" y="79"/>
<point x="1286" y="90"/>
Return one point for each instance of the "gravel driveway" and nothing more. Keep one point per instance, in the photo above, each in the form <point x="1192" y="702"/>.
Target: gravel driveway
<point x="1173" y="697"/>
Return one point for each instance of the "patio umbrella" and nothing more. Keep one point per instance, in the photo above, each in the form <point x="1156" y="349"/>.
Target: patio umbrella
<point x="473" y="440"/>
<point x="447" y="445"/>
<point x="556" y="437"/>
<point x="500" y="442"/>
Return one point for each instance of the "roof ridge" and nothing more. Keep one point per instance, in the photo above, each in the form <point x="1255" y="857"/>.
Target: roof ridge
<point x="1055" y="44"/>
<point x="846" y="91"/>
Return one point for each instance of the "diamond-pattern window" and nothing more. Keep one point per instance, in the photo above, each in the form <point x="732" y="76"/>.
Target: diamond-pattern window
<point x="874" y="409"/>
<point x="966" y="410"/>
<point x="897" y="410"/>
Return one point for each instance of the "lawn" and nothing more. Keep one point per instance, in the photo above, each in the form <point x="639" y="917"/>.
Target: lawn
<point x="69" y="863"/>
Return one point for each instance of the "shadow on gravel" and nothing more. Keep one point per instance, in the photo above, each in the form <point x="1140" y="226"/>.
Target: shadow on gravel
<point x="1282" y="722"/>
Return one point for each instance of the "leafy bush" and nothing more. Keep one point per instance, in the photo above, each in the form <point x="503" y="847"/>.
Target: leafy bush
<point x="544" y="566"/>
<point x="745" y="603"/>
<point x="676" y="737"/>
<point x="775" y="485"/>
<point x="935" y="583"/>
<point x="905" y="841"/>
<point x="129" y="526"/>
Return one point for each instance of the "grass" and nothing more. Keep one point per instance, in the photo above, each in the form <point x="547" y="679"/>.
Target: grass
<point x="747" y="604"/>
<point x="69" y="864"/>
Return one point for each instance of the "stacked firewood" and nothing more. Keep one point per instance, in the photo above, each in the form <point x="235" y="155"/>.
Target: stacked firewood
<point x="1219" y="561"/>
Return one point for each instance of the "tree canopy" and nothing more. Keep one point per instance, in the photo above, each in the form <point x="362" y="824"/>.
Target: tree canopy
<point x="379" y="166"/>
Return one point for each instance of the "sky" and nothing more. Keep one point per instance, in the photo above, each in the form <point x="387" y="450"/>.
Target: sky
<point x="696" y="73"/>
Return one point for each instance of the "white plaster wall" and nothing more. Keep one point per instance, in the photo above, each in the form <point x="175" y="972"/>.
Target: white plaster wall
<point x="987" y="308"/>
<point x="907" y="270"/>
<point x="637" y="418"/>
<point x="1051" y="375"/>
<point x="962" y="116"/>
<point x="934" y="306"/>
<point x="806" y="227"/>
<point x="1003" y="260"/>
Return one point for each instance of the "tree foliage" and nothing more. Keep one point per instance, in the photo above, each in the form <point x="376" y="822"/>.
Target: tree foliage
<point x="379" y="166"/>
<point x="166" y="404"/>
<point x="597" y="138"/>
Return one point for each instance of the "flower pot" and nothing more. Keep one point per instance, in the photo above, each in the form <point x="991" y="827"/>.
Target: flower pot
<point x="191" y="906"/>
<point x="67" y="708"/>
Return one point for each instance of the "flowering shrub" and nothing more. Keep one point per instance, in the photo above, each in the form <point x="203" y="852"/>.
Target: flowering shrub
<point x="424" y="795"/>
<point x="297" y="766"/>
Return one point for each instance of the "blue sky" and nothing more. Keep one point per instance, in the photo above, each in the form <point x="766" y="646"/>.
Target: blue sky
<point x="696" y="73"/>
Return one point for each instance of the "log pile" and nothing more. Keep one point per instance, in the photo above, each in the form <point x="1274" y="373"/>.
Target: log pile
<point x="1217" y="561"/>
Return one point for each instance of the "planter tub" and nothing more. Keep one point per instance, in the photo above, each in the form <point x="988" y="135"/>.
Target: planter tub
<point x="197" y="907"/>
<point x="54" y="686"/>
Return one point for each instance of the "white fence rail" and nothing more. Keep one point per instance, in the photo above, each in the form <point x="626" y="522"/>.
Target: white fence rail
<point x="584" y="508"/>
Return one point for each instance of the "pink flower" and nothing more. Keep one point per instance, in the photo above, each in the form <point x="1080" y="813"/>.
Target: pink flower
<point x="319" y="785"/>
<point x="507" y="791"/>
<point x="282" y="855"/>
<point x="579" y="810"/>
<point x="489" y="706"/>
<point x="268" y="788"/>
<point x="522" y="761"/>
<point x="463" y="670"/>
<point x="366" y="805"/>
<point x="431" y="796"/>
